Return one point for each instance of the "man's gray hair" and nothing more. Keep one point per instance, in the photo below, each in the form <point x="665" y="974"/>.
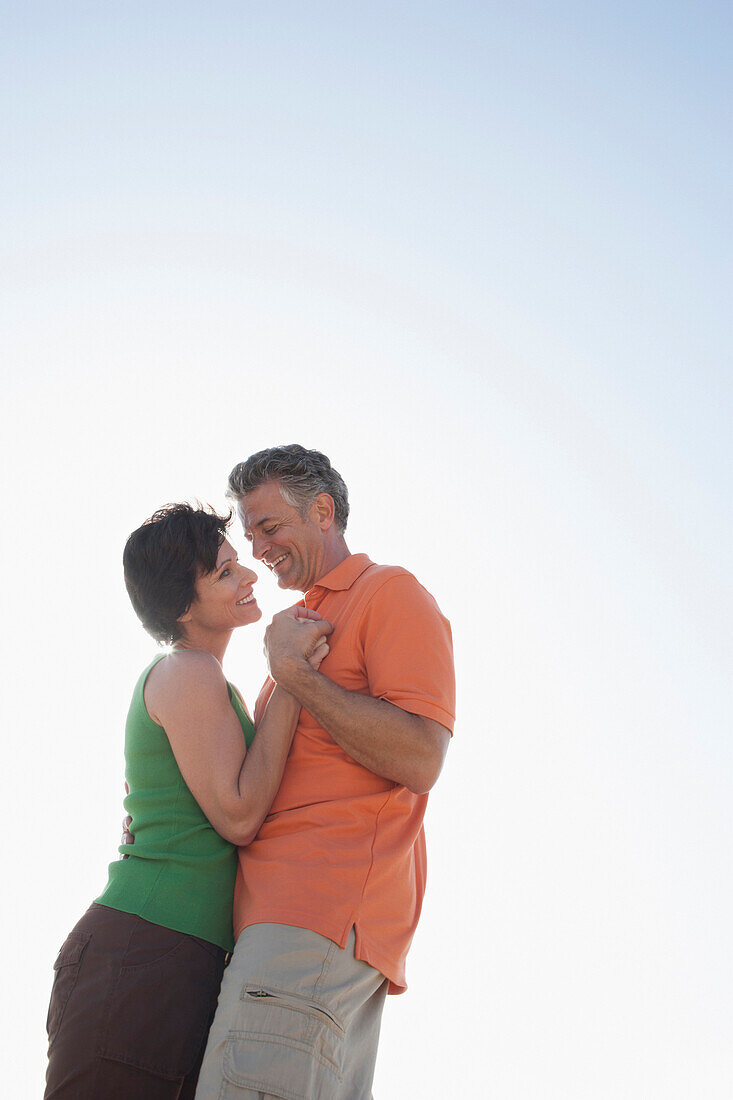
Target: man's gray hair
<point x="302" y="475"/>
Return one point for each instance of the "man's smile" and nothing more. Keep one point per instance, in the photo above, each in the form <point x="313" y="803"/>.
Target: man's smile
<point x="272" y="564"/>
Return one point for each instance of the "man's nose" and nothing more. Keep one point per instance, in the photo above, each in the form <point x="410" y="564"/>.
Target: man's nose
<point x="260" y="547"/>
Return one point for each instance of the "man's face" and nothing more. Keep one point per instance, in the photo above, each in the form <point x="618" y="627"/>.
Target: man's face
<point x="290" y="545"/>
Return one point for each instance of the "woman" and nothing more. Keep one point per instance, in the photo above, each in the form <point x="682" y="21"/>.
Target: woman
<point x="137" y="979"/>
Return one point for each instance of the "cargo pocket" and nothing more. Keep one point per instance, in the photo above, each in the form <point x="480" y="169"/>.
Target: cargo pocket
<point x="159" y="1012"/>
<point x="66" y="972"/>
<point x="285" y="1045"/>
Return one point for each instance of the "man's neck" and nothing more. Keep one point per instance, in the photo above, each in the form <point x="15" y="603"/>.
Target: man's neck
<point x="336" y="552"/>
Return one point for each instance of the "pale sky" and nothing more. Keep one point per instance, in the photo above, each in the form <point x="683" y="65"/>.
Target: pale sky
<point x="480" y="256"/>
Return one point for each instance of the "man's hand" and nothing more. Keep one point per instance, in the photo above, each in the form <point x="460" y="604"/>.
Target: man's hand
<point x="294" y="642"/>
<point x="127" y="837"/>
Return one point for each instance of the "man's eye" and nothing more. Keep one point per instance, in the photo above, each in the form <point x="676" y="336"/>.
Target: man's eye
<point x="269" y="530"/>
<point x="225" y="572"/>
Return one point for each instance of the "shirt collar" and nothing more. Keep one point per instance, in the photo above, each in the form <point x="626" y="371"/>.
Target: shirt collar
<point x="343" y="575"/>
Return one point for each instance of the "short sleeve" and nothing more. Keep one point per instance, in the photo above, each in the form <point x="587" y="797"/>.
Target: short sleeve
<point x="408" y="650"/>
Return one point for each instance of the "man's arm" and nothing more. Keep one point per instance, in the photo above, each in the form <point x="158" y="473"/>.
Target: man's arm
<point x="388" y="740"/>
<point x="406" y="748"/>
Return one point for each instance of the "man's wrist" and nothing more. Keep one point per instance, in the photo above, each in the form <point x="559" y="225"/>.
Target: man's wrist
<point x="294" y="676"/>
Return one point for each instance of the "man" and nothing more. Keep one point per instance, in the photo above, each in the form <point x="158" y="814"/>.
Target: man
<point x="329" y="893"/>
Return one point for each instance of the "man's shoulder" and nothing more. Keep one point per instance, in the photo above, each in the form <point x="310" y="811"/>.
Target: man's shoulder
<point x="395" y="582"/>
<point x="377" y="575"/>
<point x="386" y="571"/>
<point x="387" y="589"/>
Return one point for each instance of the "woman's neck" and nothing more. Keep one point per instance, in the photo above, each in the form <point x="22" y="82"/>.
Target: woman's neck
<point x="216" y="644"/>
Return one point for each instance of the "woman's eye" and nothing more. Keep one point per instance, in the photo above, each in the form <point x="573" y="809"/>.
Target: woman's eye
<point x="225" y="572"/>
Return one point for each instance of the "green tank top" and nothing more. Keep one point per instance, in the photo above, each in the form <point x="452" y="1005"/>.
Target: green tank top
<point x="180" y="872"/>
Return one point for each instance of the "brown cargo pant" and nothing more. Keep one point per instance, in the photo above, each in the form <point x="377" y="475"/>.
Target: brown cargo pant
<point x="131" y="1007"/>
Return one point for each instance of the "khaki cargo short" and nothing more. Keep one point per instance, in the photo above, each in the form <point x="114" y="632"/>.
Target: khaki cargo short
<point x="298" y="1019"/>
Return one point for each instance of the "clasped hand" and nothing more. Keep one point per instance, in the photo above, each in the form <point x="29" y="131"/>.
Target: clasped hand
<point x="295" y="639"/>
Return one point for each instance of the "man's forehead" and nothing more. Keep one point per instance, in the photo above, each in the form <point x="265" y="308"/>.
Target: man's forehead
<point x="263" y="503"/>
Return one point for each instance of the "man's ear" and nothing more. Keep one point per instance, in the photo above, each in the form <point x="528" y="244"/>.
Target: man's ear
<point x="185" y="617"/>
<point x="324" y="510"/>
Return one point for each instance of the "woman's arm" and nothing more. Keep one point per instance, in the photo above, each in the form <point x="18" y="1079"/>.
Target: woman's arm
<point x="187" y="694"/>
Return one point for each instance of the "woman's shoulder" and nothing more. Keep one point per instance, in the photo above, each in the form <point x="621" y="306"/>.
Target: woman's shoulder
<point x="188" y="662"/>
<point x="181" y="673"/>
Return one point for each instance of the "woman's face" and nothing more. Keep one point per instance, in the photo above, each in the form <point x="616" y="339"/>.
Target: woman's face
<point x="224" y="598"/>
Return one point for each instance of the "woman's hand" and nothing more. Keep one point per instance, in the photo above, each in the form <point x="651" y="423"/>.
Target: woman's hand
<point x="323" y="649"/>
<point x="319" y="653"/>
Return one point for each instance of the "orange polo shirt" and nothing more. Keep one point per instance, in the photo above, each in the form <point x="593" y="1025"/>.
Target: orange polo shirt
<point x="342" y="846"/>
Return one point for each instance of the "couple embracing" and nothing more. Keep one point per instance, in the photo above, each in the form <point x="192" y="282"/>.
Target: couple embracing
<point x="278" y="864"/>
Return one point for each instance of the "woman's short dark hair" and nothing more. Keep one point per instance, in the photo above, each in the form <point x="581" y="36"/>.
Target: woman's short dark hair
<point x="162" y="561"/>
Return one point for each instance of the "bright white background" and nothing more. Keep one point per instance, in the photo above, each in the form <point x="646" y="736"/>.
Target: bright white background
<point x="477" y="253"/>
